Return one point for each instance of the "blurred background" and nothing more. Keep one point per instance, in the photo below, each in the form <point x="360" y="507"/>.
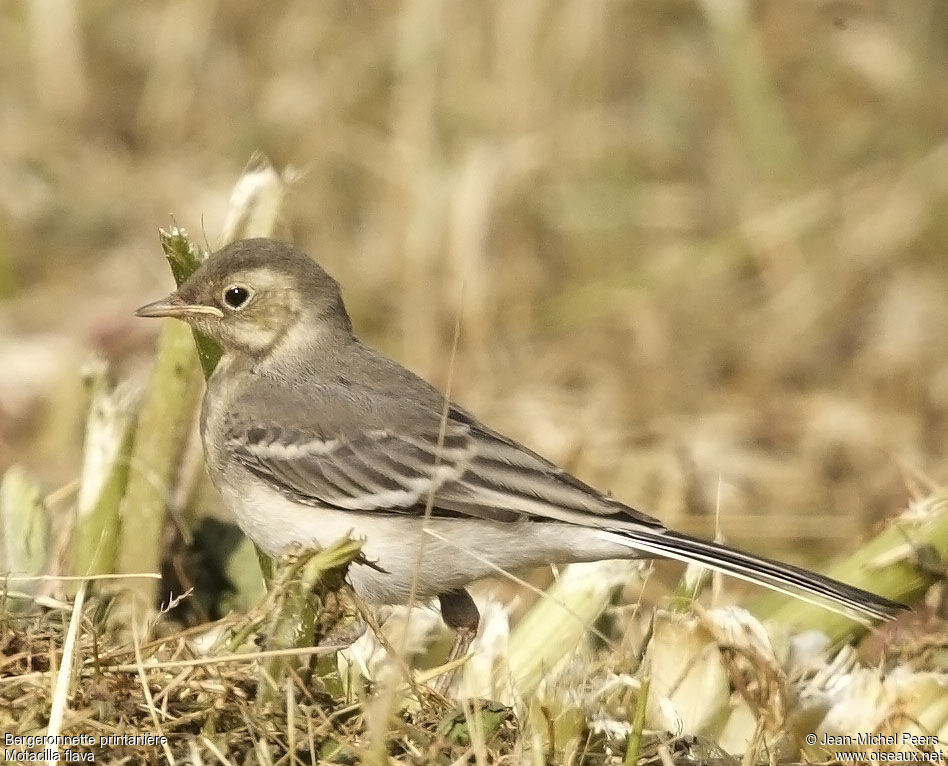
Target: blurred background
<point x="697" y="250"/>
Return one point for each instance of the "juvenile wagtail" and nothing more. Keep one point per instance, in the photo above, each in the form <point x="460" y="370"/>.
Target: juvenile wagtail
<point x="310" y="435"/>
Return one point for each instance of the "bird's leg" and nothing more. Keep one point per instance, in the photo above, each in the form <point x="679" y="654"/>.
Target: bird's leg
<point x="459" y="613"/>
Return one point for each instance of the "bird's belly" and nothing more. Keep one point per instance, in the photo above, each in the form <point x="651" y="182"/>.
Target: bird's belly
<point x="445" y="553"/>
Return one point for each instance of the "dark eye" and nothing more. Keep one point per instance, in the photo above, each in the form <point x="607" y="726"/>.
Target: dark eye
<point x="236" y="296"/>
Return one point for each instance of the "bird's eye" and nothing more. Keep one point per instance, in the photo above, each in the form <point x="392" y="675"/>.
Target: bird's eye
<point x="236" y="296"/>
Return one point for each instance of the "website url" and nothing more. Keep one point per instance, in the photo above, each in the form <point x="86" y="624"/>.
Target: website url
<point x="901" y="756"/>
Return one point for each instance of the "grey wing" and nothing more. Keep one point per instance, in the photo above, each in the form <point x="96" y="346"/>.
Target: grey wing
<point x="472" y="471"/>
<point x="468" y="470"/>
<point x="370" y="470"/>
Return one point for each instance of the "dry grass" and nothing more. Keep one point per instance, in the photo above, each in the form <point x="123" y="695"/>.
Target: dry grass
<point x="195" y="699"/>
<point x="203" y="705"/>
<point x="697" y="249"/>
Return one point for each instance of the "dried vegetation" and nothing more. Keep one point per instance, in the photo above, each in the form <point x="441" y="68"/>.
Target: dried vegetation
<point x="697" y="253"/>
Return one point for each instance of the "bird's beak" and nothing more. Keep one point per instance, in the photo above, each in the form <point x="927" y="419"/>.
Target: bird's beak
<point x="173" y="306"/>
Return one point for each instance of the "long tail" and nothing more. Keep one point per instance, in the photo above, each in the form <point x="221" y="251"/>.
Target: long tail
<point x="784" y="578"/>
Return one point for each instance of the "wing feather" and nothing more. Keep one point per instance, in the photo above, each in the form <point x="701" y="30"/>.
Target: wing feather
<point x="475" y="472"/>
<point x="470" y="471"/>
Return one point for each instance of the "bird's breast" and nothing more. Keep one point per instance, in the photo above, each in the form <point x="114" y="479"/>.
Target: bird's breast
<point x="446" y="553"/>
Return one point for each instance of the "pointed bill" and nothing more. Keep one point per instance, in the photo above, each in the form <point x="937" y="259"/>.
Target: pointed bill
<point x="173" y="306"/>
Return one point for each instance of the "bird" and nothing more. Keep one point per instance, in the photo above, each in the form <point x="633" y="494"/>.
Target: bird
<point x="311" y="435"/>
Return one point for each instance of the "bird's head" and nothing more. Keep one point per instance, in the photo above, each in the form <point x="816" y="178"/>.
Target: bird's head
<point x="252" y="293"/>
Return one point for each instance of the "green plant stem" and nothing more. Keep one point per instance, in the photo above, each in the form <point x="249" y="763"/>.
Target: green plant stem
<point x="24" y="530"/>
<point x="107" y="452"/>
<point x="634" y="746"/>
<point x="165" y="418"/>
<point x="300" y="588"/>
<point x="901" y="563"/>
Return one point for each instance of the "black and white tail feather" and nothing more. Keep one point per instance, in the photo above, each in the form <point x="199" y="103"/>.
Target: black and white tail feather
<point x="471" y="471"/>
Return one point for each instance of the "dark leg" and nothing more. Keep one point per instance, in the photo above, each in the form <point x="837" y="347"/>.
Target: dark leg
<point x="459" y="613"/>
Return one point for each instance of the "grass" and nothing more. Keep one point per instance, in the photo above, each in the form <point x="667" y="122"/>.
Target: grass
<point x="697" y="254"/>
